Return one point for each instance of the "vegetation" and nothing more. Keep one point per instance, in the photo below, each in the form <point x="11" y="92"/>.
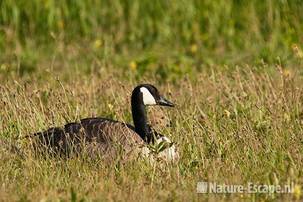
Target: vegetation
<point x="234" y="68"/>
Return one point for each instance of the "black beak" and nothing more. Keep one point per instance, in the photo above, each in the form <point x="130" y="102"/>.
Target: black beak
<point x="164" y="102"/>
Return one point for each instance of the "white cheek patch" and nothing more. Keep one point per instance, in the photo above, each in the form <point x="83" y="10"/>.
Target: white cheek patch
<point x="148" y="98"/>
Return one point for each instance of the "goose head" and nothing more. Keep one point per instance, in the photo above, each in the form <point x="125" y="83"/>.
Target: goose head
<point x="147" y="94"/>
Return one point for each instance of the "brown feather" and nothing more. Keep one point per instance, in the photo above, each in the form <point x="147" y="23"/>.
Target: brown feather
<point x="108" y="138"/>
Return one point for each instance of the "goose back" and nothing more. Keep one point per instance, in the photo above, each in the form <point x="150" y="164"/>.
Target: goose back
<point x="98" y="136"/>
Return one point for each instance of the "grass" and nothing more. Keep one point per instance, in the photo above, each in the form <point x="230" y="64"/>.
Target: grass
<point x="225" y="32"/>
<point x="231" y="127"/>
<point x="234" y="69"/>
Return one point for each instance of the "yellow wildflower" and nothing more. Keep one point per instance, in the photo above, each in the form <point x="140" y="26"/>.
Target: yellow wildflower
<point x="193" y="48"/>
<point x="297" y="191"/>
<point x="110" y="106"/>
<point x="97" y="44"/>
<point x="133" y="65"/>
<point x="227" y="113"/>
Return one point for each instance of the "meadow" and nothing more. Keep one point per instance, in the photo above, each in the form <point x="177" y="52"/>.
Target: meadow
<point x="234" y="69"/>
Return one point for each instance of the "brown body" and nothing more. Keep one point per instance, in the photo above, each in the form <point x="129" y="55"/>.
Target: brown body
<point x="99" y="137"/>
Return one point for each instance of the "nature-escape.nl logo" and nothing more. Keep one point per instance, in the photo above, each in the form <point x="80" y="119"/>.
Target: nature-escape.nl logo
<point x="213" y="187"/>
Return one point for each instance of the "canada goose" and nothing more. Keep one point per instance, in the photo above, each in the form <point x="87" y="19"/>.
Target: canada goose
<point x="107" y="138"/>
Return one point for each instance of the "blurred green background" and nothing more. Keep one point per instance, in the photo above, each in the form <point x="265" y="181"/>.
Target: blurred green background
<point x="167" y="36"/>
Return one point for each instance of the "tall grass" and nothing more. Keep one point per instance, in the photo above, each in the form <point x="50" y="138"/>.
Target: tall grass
<point x="230" y="127"/>
<point x="265" y="28"/>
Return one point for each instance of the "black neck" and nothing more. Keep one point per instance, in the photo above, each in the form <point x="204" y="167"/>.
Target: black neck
<point x="140" y="120"/>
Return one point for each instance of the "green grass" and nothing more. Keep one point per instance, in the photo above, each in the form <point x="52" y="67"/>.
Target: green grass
<point x="231" y="127"/>
<point x="234" y="68"/>
<point x="224" y="31"/>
